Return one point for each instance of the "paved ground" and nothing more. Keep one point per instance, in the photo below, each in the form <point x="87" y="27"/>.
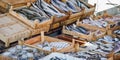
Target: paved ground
<point x="101" y="4"/>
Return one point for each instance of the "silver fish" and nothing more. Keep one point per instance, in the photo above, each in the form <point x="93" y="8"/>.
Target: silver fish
<point x="24" y="54"/>
<point x="117" y="47"/>
<point x="60" y="5"/>
<point x="39" y="10"/>
<point x="71" y="6"/>
<point x="50" y="9"/>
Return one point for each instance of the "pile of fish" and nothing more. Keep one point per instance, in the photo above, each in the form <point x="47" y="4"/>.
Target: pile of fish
<point x="57" y="58"/>
<point x="64" y="6"/>
<point x="115" y="18"/>
<point x="77" y="29"/>
<point x="24" y="53"/>
<point x="100" y="23"/>
<point x="82" y="30"/>
<point x="117" y="47"/>
<point x="103" y="23"/>
<point x="87" y="55"/>
<point x="117" y="32"/>
<point x="32" y="14"/>
<point x="49" y="9"/>
<point x="48" y="46"/>
<point x="108" y="39"/>
<point x="58" y="8"/>
<point x="42" y="10"/>
<point x="97" y="50"/>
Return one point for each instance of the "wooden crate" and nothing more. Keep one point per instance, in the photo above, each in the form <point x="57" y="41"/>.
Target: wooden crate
<point x="88" y="12"/>
<point x="63" y="18"/>
<point x="104" y="30"/>
<point x="12" y="30"/>
<point x="6" y="58"/>
<point x="76" y="34"/>
<point x="111" y="30"/>
<point x="6" y="4"/>
<point x="62" y="23"/>
<point x="35" y="24"/>
<point x="91" y="36"/>
<point x="40" y="39"/>
<point x="79" y="14"/>
<point x="116" y="56"/>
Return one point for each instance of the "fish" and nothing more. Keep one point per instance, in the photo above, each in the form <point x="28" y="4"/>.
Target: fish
<point x="31" y="12"/>
<point x="83" y="30"/>
<point x="49" y="9"/>
<point x="57" y="58"/>
<point x="73" y="1"/>
<point x="79" y="3"/>
<point x="60" y="5"/>
<point x="71" y="5"/>
<point x="38" y="9"/>
<point x="116" y="47"/>
<point x="23" y="53"/>
<point x="49" y="46"/>
<point x="77" y="29"/>
<point x="117" y="32"/>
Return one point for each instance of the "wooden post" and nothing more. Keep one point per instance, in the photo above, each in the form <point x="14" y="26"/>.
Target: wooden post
<point x="73" y="42"/>
<point x="11" y="8"/>
<point x="28" y="4"/>
<point x="78" y="21"/>
<point x="47" y="1"/>
<point x="42" y="36"/>
<point x="93" y="36"/>
<point x="54" y="49"/>
<point x="7" y="43"/>
<point x="77" y="47"/>
<point x="110" y="56"/>
<point x="63" y="0"/>
<point x="36" y="22"/>
<point x="21" y="42"/>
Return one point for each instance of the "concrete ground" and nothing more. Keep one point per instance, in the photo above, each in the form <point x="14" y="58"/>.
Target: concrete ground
<point x="102" y="4"/>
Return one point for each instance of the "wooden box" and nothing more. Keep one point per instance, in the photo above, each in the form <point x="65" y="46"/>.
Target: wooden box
<point x="104" y="30"/>
<point x="111" y="31"/>
<point x="41" y="39"/>
<point x="6" y="58"/>
<point x="88" y="12"/>
<point x="35" y="24"/>
<point x="90" y="36"/>
<point x="11" y="29"/>
<point x="76" y="34"/>
<point x="6" y="4"/>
